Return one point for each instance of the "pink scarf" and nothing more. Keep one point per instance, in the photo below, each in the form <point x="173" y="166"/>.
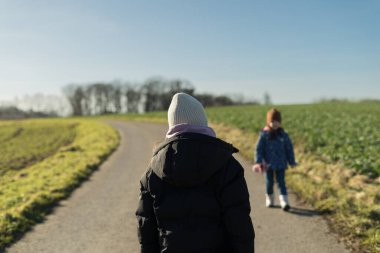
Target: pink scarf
<point x="187" y="128"/>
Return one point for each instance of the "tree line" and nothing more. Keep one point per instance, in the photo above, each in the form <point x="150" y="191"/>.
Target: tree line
<point x="13" y="112"/>
<point x="154" y="94"/>
<point x="100" y="98"/>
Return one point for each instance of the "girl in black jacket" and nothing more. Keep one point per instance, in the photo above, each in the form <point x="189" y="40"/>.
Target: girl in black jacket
<point x="194" y="197"/>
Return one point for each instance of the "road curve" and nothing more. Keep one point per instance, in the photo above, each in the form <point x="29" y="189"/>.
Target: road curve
<point x="99" y="216"/>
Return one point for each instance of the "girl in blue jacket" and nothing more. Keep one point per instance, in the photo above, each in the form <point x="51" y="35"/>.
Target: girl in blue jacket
<point x="274" y="151"/>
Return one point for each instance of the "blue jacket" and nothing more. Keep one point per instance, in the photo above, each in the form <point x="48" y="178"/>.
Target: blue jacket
<point x="276" y="150"/>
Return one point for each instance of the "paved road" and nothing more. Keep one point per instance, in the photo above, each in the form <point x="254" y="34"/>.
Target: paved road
<point x="99" y="216"/>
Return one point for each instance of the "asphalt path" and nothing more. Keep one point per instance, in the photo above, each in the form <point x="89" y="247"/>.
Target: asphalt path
<point x="99" y="216"/>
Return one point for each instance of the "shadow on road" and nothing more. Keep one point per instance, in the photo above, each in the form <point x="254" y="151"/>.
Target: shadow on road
<point x="303" y="212"/>
<point x="299" y="211"/>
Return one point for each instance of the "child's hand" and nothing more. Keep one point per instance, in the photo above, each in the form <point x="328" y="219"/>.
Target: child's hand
<point x="258" y="167"/>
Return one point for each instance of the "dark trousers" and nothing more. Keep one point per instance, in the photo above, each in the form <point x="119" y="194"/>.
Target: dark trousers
<point x="280" y="178"/>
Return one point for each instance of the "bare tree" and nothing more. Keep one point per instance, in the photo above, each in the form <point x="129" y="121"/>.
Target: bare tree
<point x="108" y="91"/>
<point x="205" y="99"/>
<point x="133" y="96"/>
<point x="101" y="94"/>
<point x="116" y="98"/>
<point x="173" y="87"/>
<point x="75" y="96"/>
<point x="86" y="103"/>
<point x="152" y="92"/>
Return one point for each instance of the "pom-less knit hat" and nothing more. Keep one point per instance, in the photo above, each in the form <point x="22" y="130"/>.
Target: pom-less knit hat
<point x="273" y="115"/>
<point x="184" y="109"/>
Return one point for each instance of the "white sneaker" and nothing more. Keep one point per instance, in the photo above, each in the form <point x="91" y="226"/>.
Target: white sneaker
<point x="269" y="200"/>
<point x="284" y="202"/>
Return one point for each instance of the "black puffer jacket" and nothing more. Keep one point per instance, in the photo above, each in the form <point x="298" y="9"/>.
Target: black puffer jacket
<point x="194" y="198"/>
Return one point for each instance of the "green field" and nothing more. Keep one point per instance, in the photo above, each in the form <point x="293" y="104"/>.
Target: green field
<point x="41" y="162"/>
<point x="22" y="144"/>
<point x="346" y="132"/>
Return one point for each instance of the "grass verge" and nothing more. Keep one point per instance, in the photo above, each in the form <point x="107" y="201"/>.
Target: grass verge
<point x="27" y="195"/>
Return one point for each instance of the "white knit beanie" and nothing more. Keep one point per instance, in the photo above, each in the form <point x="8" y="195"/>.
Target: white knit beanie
<point x="184" y="109"/>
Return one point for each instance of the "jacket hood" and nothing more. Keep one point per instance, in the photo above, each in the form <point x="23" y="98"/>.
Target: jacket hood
<point x="190" y="159"/>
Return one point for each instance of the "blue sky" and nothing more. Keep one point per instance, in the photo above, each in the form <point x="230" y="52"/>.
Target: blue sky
<point x="297" y="50"/>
